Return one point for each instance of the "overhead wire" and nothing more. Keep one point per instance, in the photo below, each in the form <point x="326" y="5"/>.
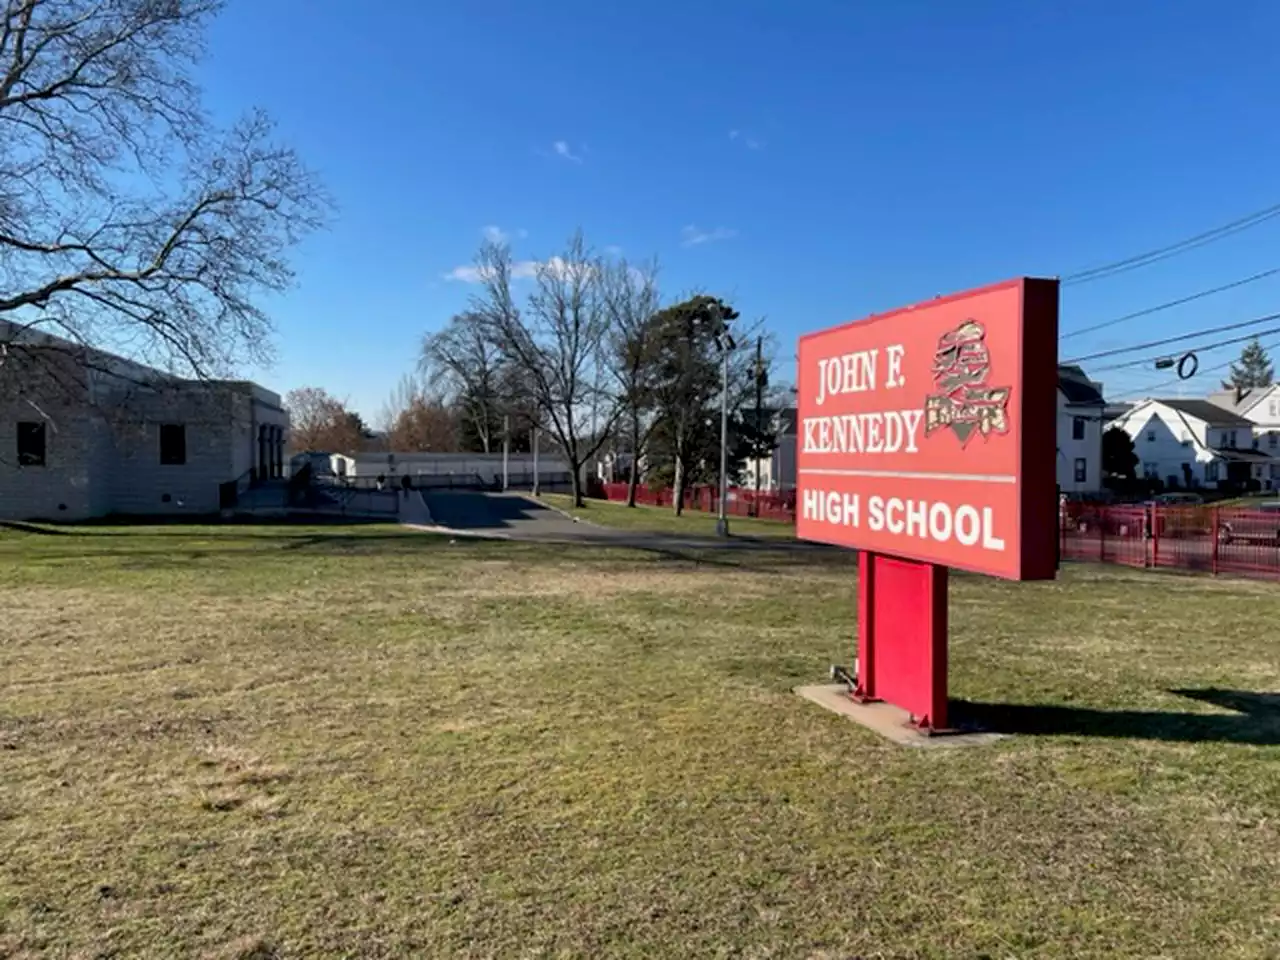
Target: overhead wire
<point x="1169" y="304"/>
<point x="1177" y="339"/>
<point x="1106" y="270"/>
<point x="1207" y="348"/>
<point x="1148" y="390"/>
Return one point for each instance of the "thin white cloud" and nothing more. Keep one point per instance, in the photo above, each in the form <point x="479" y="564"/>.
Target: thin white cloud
<point x="498" y="235"/>
<point x="734" y="134"/>
<point x="693" y="235"/>
<point x="613" y="250"/>
<point x="562" y="149"/>
<point x="748" y="141"/>
<point x="520" y="270"/>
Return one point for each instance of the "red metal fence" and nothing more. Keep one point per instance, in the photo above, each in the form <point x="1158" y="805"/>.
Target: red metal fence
<point x="741" y="502"/>
<point x="1203" y="539"/>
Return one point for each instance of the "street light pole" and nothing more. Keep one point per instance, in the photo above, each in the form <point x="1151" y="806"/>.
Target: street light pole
<point x="722" y="522"/>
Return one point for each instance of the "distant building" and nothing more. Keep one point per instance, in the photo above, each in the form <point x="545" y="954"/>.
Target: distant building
<point x="1081" y="422"/>
<point x="1261" y="407"/>
<point x="446" y="469"/>
<point x="1198" y="443"/>
<point x="85" y="434"/>
<point x="776" y="472"/>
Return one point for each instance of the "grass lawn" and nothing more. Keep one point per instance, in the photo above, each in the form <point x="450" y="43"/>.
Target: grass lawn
<point x="661" y="519"/>
<point x="260" y="742"/>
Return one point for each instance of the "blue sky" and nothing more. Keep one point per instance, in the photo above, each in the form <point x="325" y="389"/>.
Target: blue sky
<point x="833" y="159"/>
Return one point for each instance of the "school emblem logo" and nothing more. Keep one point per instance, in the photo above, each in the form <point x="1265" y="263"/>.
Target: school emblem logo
<point x="964" y="401"/>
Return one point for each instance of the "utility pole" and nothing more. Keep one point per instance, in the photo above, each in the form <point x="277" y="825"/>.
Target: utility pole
<point x="506" y="450"/>
<point x="759" y="430"/>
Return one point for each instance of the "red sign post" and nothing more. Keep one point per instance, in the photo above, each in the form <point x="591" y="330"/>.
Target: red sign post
<point x="927" y="440"/>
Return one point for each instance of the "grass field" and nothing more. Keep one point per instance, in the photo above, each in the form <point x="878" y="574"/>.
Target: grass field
<point x="279" y="742"/>
<point x="663" y="520"/>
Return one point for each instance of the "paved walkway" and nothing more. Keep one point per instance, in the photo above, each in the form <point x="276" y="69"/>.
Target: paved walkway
<point x="514" y="516"/>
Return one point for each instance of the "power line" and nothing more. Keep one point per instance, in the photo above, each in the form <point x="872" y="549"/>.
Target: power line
<point x="1173" y="249"/>
<point x="1178" y="339"/>
<point x="1176" y="380"/>
<point x="1204" y="349"/>
<point x="1169" y="304"/>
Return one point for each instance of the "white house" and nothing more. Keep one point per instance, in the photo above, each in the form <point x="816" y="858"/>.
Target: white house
<point x="1261" y="407"/>
<point x="777" y="472"/>
<point x="1196" y="443"/>
<point x="85" y="434"/>
<point x="1080" y="426"/>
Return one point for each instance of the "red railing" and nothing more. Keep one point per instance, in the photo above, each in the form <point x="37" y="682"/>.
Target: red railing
<point x="1200" y="539"/>
<point x="741" y="502"/>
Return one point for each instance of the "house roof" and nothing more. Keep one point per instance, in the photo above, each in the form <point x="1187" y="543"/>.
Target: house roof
<point x="1205" y="410"/>
<point x="1243" y="456"/>
<point x="1241" y="401"/>
<point x="1077" y="387"/>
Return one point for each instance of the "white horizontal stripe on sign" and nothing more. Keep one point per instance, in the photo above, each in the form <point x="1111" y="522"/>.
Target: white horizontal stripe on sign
<point x="911" y="475"/>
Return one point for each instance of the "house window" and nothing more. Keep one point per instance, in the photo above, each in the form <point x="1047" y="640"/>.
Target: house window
<point x="1211" y="471"/>
<point x="31" y="444"/>
<point x="1275" y="408"/>
<point x="1082" y="470"/>
<point x="1273" y="440"/>
<point x="173" y="444"/>
<point x="1230" y="438"/>
<point x="1077" y="428"/>
<point x="1151" y="436"/>
<point x="1151" y="470"/>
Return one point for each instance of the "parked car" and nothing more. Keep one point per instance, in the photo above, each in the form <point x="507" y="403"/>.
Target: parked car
<point x="1176" y="500"/>
<point x="1259" y="525"/>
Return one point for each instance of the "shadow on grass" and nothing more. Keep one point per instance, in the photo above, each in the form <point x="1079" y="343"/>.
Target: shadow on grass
<point x="182" y="526"/>
<point x="1256" y="719"/>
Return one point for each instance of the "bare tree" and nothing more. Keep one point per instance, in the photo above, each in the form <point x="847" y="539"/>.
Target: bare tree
<point x="321" y="422"/>
<point x="126" y="221"/>
<point x="556" y="344"/>
<point x="631" y="299"/>
<point x="415" y="421"/>
<point x="462" y="361"/>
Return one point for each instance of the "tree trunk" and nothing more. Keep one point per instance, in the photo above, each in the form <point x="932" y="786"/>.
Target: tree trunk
<point x="678" y="489"/>
<point x="633" y="480"/>
<point x="576" y="474"/>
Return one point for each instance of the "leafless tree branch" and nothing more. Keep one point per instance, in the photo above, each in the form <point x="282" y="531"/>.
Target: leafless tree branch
<point x="97" y="107"/>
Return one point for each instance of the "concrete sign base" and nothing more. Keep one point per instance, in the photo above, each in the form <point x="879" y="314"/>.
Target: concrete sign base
<point x="892" y="723"/>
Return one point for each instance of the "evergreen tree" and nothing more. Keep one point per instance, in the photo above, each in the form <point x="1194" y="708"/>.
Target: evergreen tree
<point x="1255" y="368"/>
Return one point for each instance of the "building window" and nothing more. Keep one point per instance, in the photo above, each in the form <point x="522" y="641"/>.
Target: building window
<point x="1082" y="470"/>
<point x="1077" y="428"/>
<point x="1151" y="470"/>
<point x="1275" y="408"/>
<point x="31" y="444"/>
<point x="1273" y="440"/>
<point x="1151" y="436"/>
<point x="1230" y="438"/>
<point x="1211" y="471"/>
<point x="173" y="444"/>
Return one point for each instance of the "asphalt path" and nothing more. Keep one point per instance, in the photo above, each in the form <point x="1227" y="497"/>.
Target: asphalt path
<point x="511" y="516"/>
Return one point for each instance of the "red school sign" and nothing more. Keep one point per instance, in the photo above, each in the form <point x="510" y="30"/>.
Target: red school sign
<point x="927" y="440"/>
<point x="929" y="432"/>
